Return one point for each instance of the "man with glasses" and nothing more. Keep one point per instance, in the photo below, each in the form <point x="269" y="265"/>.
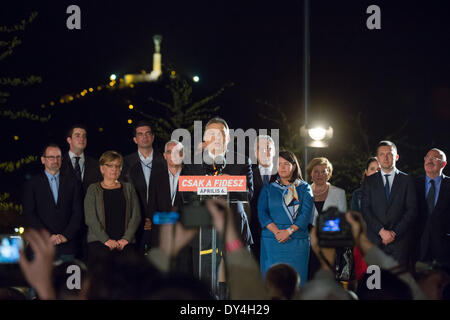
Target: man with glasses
<point x="389" y="205"/>
<point x="52" y="201"/>
<point x="139" y="168"/>
<point x="433" y="195"/>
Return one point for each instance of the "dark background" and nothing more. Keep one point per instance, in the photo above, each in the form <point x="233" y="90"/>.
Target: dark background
<point x="396" y="77"/>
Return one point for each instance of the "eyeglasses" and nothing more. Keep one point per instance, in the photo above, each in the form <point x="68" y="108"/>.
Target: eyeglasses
<point x="323" y="172"/>
<point x="53" y="157"/>
<point x="431" y="158"/>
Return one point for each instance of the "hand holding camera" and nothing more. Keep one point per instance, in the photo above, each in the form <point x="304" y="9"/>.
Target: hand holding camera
<point x="38" y="271"/>
<point x="336" y="229"/>
<point x="333" y="229"/>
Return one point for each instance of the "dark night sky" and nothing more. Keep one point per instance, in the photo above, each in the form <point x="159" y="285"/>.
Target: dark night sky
<point x="392" y="75"/>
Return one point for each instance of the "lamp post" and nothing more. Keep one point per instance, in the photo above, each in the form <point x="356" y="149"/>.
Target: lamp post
<point x="306" y="75"/>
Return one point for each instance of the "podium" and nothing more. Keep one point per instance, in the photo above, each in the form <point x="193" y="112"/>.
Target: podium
<point x="208" y="247"/>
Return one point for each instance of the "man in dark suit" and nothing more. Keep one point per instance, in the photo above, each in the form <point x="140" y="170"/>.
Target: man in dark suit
<point x="139" y="168"/>
<point x="52" y="201"/>
<point x="81" y="167"/>
<point x="217" y="160"/>
<point x="263" y="171"/>
<point x="75" y="162"/>
<point x="165" y="197"/>
<point x="433" y="195"/>
<point x="389" y="205"/>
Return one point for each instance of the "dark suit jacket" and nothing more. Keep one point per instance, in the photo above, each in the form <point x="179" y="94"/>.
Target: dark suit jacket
<point x="91" y="174"/>
<point x="132" y="172"/>
<point x="397" y="214"/>
<point x="65" y="217"/>
<point x="255" y="226"/>
<point x="434" y="242"/>
<point x="236" y="169"/>
<point x="159" y="200"/>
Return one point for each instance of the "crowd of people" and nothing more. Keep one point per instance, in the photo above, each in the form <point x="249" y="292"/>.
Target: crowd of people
<point x="99" y="215"/>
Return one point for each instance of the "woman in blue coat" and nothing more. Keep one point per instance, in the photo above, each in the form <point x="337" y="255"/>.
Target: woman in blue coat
<point x="285" y="208"/>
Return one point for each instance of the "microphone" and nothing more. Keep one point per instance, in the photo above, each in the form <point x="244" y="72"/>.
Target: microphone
<point x="219" y="164"/>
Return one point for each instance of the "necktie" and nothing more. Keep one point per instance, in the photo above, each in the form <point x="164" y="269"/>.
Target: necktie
<point x="386" y="186"/>
<point x="173" y="188"/>
<point x="77" y="168"/>
<point x="266" y="179"/>
<point x="54" y="187"/>
<point x="430" y="197"/>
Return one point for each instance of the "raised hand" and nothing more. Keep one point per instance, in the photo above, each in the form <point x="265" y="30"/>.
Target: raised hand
<point x="38" y="271"/>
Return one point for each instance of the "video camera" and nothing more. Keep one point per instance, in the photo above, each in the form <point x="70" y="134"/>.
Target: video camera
<point x="190" y="215"/>
<point x="195" y="215"/>
<point x="333" y="229"/>
<point x="10" y="245"/>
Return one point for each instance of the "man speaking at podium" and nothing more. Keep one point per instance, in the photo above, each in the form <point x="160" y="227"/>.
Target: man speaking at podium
<point x="214" y="147"/>
<point x="215" y="155"/>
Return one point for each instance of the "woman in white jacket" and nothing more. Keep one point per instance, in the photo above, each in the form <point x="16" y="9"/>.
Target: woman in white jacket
<point x="325" y="194"/>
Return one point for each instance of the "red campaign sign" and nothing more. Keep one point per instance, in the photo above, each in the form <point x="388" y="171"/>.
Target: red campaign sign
<point x="231" y="183"/>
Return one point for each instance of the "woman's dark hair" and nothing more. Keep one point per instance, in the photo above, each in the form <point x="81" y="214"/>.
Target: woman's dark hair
<point x="291" y="158"/>
<point x="369" y="161"/>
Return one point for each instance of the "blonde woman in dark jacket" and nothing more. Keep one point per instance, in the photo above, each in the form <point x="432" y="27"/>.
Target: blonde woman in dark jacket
<point x="112" y="211"/>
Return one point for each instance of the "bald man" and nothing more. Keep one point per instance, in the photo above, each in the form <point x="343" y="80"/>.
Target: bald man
<point x="433" y="194"/>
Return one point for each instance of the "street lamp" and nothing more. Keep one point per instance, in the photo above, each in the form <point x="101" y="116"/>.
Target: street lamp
<point x="317" y="134"/>
<point x="315" y="137"/>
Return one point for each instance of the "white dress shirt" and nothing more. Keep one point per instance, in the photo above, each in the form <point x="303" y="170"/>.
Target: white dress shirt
<point x="265" y="171"/>
<point x="81" y="162"/>
<point x="390" y="178"/>
<point x="173" y="181"/>
<point x="146" y="164"/>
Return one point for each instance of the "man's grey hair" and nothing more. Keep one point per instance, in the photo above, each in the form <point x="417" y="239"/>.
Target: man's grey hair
<point x="172" y="141"/>
<point x="260" y="137"/>
<point x="444" y="157"/>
